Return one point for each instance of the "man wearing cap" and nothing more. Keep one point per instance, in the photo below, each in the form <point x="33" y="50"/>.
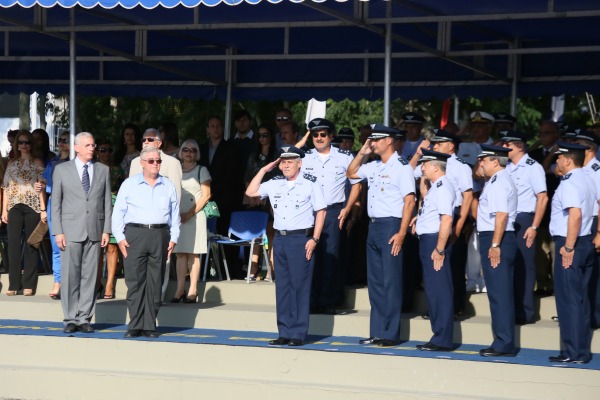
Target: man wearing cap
<point x="413" y="125"/>
<point x="504" y="122"/>
<point x="495" y="223"/>
<point x="570" y="226"/>
<point x="433" y="226"/>
<point x="591" y="166"/>
<point x="460" y="175"/>
<point x="480" y="128"/>
<point x="391" y="193"/>
<point x="299" y="212"/>
<point x="329" y="166"/>
<point x="346" y="139"/>
<point x="532" y="199"/>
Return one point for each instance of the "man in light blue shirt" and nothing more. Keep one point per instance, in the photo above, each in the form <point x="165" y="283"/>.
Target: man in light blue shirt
<point x="145" y="223"/>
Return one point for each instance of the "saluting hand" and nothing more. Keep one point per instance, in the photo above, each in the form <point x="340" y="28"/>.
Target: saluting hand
<point x="270" y="166"/>
<point x="366" y="149"/>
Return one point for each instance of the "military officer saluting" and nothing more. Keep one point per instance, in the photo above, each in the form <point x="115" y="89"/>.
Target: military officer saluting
<point x="497" y="245"/>
<point x="391" y="194"/>
<point x="532" y="199"/>
<point x="329" y="165"/>
<point x="433" y="226"/>
<point x="299" y="212"/>
<point x="570" y="226"/>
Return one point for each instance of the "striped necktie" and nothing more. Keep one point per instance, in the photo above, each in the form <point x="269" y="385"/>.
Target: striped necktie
<point x="85" y="179"/>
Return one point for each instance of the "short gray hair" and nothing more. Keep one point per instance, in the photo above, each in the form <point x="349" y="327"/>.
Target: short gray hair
<point x="155" y="133"/>
<point x="440" y="164"/>
<point x="82" y="135"/>
<point x="148" y="150"/>
<point x="502" y="161"/>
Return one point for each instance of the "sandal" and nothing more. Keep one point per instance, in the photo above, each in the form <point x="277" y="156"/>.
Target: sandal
<point x="27" y="292"/>
<point x="11" y="292"/>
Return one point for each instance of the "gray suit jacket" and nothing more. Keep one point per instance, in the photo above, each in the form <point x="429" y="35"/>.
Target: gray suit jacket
<point x="74" y="214"/>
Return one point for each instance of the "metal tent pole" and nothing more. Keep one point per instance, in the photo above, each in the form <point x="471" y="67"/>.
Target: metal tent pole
<point x="514" y="67"/>
<point x="72" y="84"/>
<point x="388" y="67"/>
<point x="228" y="105"/>
<point x="456" y="109"/>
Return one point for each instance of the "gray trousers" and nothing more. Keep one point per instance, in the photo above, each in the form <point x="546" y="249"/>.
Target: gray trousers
<point x="79" y="271"/>
<point x="144" y="269"/>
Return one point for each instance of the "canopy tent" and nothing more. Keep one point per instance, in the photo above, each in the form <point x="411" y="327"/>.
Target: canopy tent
<point x="286" y="49"/>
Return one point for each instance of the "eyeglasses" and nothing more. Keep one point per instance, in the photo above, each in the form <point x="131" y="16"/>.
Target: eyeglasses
<point x="153" y="160"/>
<point x="62" y="141"/>
<point x="188" y="150"/>
<point x="321" y="134"/>
<point x="282" y="118"/>
<point x="108" y="150"/>
<point x="25" y="142"/>
<point x="263" y="135"/>
<point x="149" y="139"/>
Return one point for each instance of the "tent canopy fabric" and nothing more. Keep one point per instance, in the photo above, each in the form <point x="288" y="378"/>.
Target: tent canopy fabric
<point x="286" y="49"/>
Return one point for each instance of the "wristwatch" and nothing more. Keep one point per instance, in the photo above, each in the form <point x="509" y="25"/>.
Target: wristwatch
<point x="315" y="239"/>
<point x="440" y="252"/>
<point x="495" y="245"/>
<point x="534" y="227"/>
<point x="569" y="249"/>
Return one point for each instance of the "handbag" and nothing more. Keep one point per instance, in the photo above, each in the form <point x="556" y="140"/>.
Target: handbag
<point x="211" y="210"/>
<point x="37" y="235"/>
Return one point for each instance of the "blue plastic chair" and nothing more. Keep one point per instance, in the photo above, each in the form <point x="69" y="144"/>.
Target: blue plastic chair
<point x="246" y="228"/>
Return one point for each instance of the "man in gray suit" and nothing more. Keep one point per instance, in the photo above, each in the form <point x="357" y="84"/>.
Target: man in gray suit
<point x="81" y="219"/>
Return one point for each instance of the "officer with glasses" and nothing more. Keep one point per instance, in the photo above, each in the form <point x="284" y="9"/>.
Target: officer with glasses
<point x="145" y="223"/>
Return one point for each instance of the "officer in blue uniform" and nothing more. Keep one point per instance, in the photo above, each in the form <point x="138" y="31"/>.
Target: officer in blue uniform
<point x="570" y="226"/>
<point x="329" y="165"/>
<point x="591" y="167"/>
<point x="433" y="226"/>
<point x="413" y="126"/>
<point x="504" y="122"/>
<point x="497" y="246"/>
<point x="391" y="200"/>
<point x="461" y="176"/>
<point x="299" y="212"/>
<point x="530" y="179"/>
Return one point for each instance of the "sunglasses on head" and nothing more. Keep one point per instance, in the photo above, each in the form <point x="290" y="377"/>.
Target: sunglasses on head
<point x="317" y="134"/>
<point x="108" y="150"/>
<point x="62" y="141"/>
<point x="189" y="150"/>
<point x="263" y="135"/>
<point x="282" y="118"/>
<point x="153" y="160"/>
<point x="149" y="139"/>
<point x="27" y="142"/>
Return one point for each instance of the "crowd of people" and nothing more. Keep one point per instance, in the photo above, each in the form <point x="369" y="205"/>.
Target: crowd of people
<point x="452" y="211"/>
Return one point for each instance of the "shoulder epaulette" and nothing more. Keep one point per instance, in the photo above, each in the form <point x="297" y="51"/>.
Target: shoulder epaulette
<point x="461" y="160"/>
<point x="310" y="177"/>
<point x="567" y="176"/>
<point x="402" y="161"/>
<point x="346" y="152"/>
<point x="439" y="184"/>
<point x="309" y="151"/>
<point x="278" y="177"/>
<point x="494" y="179"/>
<point x="530" y="161"/>
<point x="595" y="167"/>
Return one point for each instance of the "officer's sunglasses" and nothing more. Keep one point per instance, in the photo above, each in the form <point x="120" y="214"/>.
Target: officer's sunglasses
<point x="317" y="134"/>
<point x="149" y="139"/>
<point x="282" y="118"/>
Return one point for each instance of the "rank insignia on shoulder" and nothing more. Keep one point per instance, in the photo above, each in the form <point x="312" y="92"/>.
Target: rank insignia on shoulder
<point x="460" y="160"/>
<point x="402" y="161"/>
<point x="310" y="177"/>
<point x="309" y="151"/>
<point x="493" y="179"/>
<point x="567" y="176"/>
<point x="347" y="152"/>
<point x="595" y="167"/>
<point x="530" y="161"/>
<point x="439" y="184"/>
<point x="278" y="177"/>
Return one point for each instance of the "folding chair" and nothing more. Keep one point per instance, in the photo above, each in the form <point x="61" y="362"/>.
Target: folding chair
<point x="247" y="228"/>
<point x="211" y="227"/>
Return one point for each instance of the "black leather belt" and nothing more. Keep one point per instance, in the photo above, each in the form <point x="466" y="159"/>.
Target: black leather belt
<point x="149" y="226"/>
<point x="335" y="206"/>
<point x="307" y="232"/>
<point x="383" y="219"/>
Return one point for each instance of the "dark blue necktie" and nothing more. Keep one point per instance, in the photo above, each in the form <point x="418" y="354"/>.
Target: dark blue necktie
<point x="85" y="179"/>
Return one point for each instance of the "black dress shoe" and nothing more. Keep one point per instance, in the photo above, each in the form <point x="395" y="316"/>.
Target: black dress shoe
<point x="432" y="347"/>
<point x="85" y="328"/>
<point x="133" y="333"/>
<point x="387" y="343"/>
<point x="280" y="341"/>
<point x="490" y="352"/>
<point x="295" y="342"/>
<point x="330" y="310"/>
<point x="371" y="340"/>
<point x="150" y="334"/>
<point x="176" y="299"/>
<point x="524" y="321"/>
<point x="70" y="328"/>
<point x="565" y="359"/>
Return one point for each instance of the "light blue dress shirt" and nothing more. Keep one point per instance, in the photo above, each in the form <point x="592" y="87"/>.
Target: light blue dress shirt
<point x="293" y="206"/>
<point x="438" y="201"/>
<point x="592" y="170"/>
<point x="530" y="179"/>
<point x="330" y="172"/>
<point x="460" y="175"/>
<point x="138" y="202"/>
<point x="410" y="148"/>
<point x="388" y="184"/>
<point x="574" y="191"/>
<point x="499" y="195"/>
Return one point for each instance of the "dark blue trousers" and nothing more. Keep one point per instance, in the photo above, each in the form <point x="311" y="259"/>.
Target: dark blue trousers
<point x="524" y="271"/>
<point x="500" y="286"/>
<point x="327" y="261"/>
<point x="458" y="263"/>
<point x="595" y="283"/>
<point x="292" y="286"/>
<point x="439" y="292"/>
<point x="384" y="274"/>
<point x="572" y="298"/>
